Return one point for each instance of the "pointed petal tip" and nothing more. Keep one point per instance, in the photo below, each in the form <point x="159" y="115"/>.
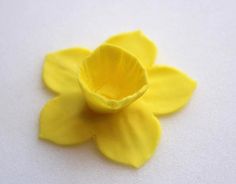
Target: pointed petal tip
<point x="170" y="89"/>
<point x="138" y="44"/>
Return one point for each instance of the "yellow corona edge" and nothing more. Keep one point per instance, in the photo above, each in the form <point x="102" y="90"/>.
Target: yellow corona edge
<point x="111" y="79"/>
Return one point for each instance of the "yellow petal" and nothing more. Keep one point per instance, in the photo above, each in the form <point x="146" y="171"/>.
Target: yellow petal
<point x="169" y="89"/>
<point x="63" y="120"/>
<point x="111" y="78"/>
<point x="137" y="44"/>
<point x="129" y="136"/>
<point x="60" y="71"/>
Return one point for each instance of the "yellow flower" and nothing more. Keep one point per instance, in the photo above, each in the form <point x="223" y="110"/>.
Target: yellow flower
<point x="111" y="95"/>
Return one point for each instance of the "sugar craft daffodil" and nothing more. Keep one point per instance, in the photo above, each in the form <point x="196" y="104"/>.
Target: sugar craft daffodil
<point x="112" y="95"/>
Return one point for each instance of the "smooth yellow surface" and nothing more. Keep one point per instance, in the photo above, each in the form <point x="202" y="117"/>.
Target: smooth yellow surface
<point x="111" y="78"/>
<point x="60" y="70"/>
<point x="138" y="44"/>
<point x="169" y="89"/>
<point x="62" y="120"/>
<point x="129" y="136"/>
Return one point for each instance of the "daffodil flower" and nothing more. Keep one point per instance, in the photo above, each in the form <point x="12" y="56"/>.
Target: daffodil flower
<point x="112" y="96"/>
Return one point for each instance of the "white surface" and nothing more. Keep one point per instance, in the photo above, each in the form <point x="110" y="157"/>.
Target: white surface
<point x="198" y="143"/>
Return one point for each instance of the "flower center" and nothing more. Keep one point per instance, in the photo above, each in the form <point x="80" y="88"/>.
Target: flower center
<point x="113" y="75"/>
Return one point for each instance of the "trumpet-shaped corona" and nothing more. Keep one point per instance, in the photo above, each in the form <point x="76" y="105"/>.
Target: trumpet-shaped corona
<point x="111" y="79"/>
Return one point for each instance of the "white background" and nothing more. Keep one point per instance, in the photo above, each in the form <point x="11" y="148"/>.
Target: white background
<point x="198" y="143"/>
